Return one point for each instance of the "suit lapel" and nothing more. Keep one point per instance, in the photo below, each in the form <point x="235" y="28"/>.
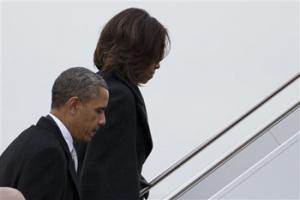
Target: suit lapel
<point x="141" y="108"/>
<point x="48" y="123"/>
<point x="73" y="174"/>
<point x="137" y="94"/>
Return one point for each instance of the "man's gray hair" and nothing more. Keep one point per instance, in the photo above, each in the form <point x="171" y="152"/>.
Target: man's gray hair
<point x="76" y="82"/>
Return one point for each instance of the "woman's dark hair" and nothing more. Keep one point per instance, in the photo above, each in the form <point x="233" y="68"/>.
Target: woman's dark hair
<point x="129" y="43"/>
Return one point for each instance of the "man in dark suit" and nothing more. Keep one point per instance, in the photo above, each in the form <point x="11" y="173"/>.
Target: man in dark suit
<point x="41" y="161"/>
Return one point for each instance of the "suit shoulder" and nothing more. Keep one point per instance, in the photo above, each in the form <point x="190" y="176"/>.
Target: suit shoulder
<point x="31" y="146"/>
<point x="42" y="137"/>
<point x="34" y="139"/>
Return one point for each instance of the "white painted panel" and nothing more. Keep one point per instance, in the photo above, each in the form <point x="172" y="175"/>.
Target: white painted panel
<point x="275" y="177"/>
<point x="237" y="165"/>
<point x="288" y="127"/>
<point x="233" y="168"/>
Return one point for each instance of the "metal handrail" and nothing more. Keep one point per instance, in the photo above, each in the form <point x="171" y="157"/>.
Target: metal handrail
<point x="202" y="146"/>
<point x="236" y="151"/>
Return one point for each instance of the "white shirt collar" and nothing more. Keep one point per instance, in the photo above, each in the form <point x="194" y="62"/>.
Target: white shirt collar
<point x="65" y="132"/>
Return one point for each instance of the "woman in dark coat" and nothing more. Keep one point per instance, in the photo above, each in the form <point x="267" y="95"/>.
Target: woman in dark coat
<point x="129" y="50"/>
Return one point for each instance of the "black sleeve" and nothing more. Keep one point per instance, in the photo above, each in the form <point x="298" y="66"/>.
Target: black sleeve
<point x="43" y="176"/>
<point x="110" y="167"/>
<point x="144" y="183"/>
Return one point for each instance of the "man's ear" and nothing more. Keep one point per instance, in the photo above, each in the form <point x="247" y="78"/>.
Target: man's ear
<point x="73" y="105"/>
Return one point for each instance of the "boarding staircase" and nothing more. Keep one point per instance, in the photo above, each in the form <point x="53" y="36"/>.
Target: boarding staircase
<point x="265" y="165"/>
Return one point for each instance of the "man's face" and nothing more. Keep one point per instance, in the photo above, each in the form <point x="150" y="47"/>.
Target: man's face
<point x="90" y="116"/>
